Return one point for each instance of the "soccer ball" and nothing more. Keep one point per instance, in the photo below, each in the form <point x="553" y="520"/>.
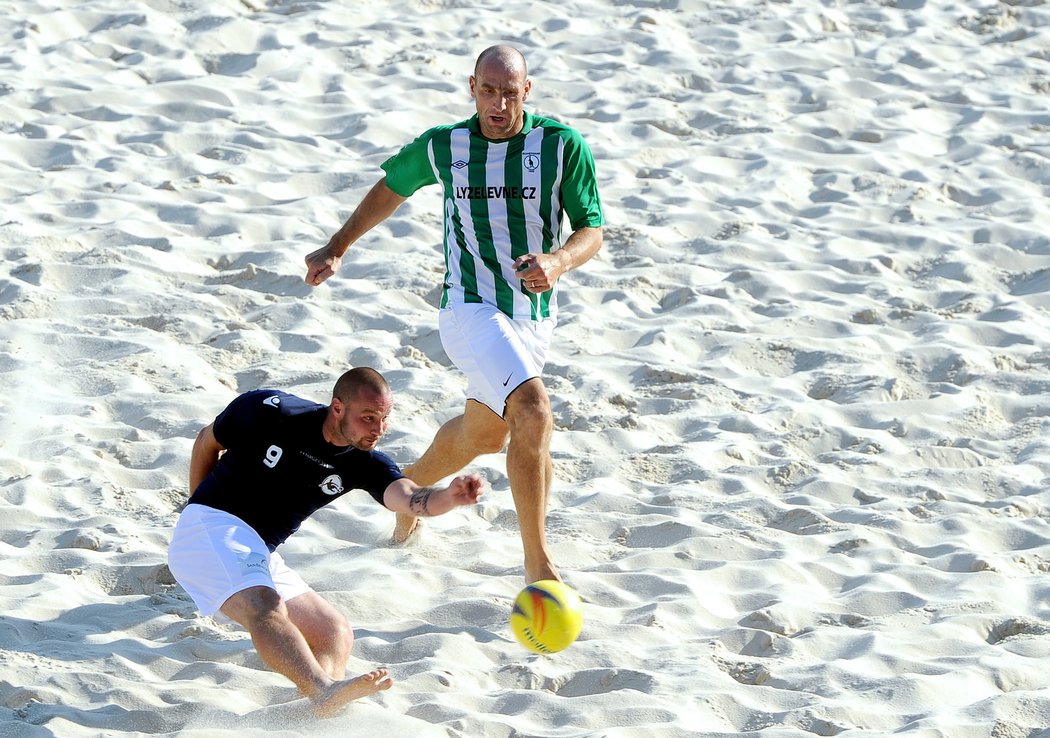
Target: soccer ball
<point x="547" y="616"/>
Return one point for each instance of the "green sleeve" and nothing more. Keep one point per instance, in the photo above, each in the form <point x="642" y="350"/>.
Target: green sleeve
<point x="409" y="169"/>
<point x="579" y="188"/>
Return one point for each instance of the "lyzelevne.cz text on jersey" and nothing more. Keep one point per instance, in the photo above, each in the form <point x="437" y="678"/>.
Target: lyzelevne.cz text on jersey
<point x="465" y="192"/>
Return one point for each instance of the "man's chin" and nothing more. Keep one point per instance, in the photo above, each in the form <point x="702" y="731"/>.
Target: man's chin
<point x="504" y="130"/>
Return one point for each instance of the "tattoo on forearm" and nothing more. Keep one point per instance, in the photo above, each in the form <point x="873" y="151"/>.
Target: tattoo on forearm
<point x="420" y="500"/>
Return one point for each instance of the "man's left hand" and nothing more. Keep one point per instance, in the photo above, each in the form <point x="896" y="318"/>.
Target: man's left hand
<point x="466" y="489"/>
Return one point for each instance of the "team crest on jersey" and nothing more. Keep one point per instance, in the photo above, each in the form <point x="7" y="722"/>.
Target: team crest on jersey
<point x="332" y="485"/>
<point x="459" y="164"/>
<point x="272" y="401"/>
<point x="531" y="162"/>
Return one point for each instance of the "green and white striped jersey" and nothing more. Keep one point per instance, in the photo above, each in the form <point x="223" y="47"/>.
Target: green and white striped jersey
<point x="502" y="199"/>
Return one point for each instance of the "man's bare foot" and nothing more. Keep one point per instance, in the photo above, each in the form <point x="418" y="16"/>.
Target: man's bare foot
<point x="404" y="527"/>
<point x="547" y="570"/>
<point x="332" y="699"/>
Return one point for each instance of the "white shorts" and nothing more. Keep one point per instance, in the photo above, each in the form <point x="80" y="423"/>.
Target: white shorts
<point x="495" y="352"/>
<point x="215" y="555"/>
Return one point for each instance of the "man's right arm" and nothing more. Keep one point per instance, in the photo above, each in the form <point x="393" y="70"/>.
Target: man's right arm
<point x="205" y="455"/>
<point x="378" y="205"/>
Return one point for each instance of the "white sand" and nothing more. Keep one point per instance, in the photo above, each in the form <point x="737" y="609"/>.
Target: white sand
<point x="802" y="396"/>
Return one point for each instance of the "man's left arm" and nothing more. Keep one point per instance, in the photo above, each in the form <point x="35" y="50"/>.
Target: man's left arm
<point x="405" y="496"/>
<point x="583" y="207"/>
<point x="539" y="272"/>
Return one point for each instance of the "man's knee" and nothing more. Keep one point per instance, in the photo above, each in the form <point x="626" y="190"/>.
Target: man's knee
<point x="324" y="627"/>
<point x="489" y="442"/>
<point x="529" y="408"/>
<point x="485" y="432"/>
<point x="250" y="606"/>
<point x="342" y="637"/>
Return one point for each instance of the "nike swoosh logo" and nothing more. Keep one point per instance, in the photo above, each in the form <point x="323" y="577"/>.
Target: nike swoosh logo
<point x="507" y="379"/>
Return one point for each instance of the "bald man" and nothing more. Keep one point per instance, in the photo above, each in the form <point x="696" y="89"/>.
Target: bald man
<point x="509" y="179"/>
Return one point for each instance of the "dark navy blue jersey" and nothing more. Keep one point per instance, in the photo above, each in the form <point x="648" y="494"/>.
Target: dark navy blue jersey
<point x="278" y="468"/>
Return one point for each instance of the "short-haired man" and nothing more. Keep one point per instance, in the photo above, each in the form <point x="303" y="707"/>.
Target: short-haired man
<point x="267" y="462"/>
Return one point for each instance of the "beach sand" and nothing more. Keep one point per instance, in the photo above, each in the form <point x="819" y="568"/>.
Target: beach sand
<point x="801" y="397"/>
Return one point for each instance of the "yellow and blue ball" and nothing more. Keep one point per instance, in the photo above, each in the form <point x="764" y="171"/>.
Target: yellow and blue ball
<point x="547" y="616"/>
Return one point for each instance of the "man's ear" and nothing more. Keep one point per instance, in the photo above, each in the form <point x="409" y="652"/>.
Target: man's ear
<point x="472" y="84"/>
<point x="527" y="89"/>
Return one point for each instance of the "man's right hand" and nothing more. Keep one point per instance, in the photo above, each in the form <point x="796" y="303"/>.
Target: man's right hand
<point x="320" y="265"/>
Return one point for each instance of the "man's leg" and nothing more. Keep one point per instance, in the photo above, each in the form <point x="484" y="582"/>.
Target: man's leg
<point x="531" y="472"/>
<point x="458" y="442"/>
<point x="327" y="633"/>
<point x="284" y="649"/>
